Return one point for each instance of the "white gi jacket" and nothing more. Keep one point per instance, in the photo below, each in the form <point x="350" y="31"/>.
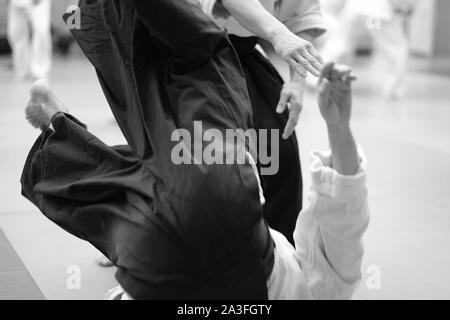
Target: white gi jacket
<point x="297" y="15"/>
<point x="326" y="261"/>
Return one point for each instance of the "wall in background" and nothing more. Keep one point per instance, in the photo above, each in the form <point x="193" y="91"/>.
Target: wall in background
<point x="442" y="37"/>
<point x="3" y="13"/>
<point x="422" y="28"/>
<point x="430" y="29"/>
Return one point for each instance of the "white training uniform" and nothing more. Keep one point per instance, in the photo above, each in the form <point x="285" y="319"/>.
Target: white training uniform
<point x="326" y="260"/>
<point x="30" y="57"/>
<point x="297" y="15"/>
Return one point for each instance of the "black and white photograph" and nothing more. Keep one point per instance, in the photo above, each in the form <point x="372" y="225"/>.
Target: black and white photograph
<point x="224" y="150"/>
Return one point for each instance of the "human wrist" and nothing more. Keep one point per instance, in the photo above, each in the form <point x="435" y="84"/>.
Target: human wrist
<point x="339" y="131"/>
<point x="276" y="33"/>
<point x="339" y="126"/>
<point x="343" y="149"/>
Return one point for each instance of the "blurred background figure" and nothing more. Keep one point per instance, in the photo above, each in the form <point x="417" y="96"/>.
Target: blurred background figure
<point x="382" y="22"/>
<point x="30" y="38"/>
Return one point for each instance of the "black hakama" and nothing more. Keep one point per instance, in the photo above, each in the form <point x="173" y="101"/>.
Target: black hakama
<point x="283" y="191"/>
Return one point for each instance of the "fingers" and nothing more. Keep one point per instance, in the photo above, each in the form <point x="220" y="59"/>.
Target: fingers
<point x="324" y="92"/>
<point x="308" y="62"/>
<point x="287" y="101"/>
<point x="326" y="72"/>
<point x="312" y="55"/>
<point x="340" y="72"/>
<point x="316" y="55"/>
<point x="294" y="115"/>
<point x="310" y="59"/>
<point x="344" y="73"/>
<point x="350" y="77"/>
<point x="298" y="68"/>
<point x="334" y="72"/>
<point x="283" y="103"/>
<point x="325" y="88"/>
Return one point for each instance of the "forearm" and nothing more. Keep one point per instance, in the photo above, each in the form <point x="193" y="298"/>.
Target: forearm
<point x="343" y="148"/>
<point x="252" y="15"/>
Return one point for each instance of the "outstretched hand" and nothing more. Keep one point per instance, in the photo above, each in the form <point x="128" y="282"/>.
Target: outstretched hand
<point x="335" y="103"/>
<point x="298" y="53"/>
<point x="335" y="94"/>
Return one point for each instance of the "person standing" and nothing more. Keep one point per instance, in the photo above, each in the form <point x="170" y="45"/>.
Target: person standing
<point x="29" y="35"/>
<point x="275" y="104"/>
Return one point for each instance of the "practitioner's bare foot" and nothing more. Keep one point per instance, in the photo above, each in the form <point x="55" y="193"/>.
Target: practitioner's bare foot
<point x="43" y="105"/>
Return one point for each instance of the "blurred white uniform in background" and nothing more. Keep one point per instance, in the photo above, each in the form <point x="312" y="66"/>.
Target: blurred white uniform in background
<point x="30" y="37"/>
<point x="384" y="23"/>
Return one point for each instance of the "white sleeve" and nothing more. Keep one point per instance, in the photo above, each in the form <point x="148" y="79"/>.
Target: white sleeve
<point x="326" y="261"/>
<point x="301" y="16"/>
<point x="206" y="5"/>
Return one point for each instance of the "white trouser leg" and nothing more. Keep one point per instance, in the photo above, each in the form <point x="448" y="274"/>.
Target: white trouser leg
<point x="341" y="44"/>
<point x="392" y="45"/>
<point x="41" y="49"/>
<point x="19" y="39"/>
